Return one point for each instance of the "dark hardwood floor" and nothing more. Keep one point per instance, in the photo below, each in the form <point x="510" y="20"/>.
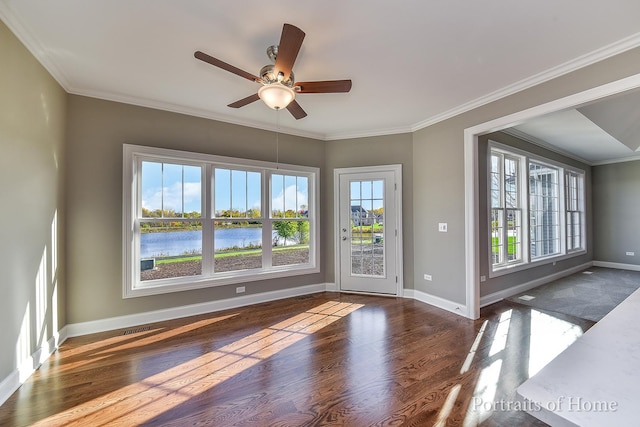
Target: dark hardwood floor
<point x="325" y="359"/>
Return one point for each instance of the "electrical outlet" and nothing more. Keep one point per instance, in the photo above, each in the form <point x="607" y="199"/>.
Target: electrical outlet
<point x="442" y="227"/>
<point x="483" y="278"/>
<point x="631" y="253"/>
<point x="240" y="290"/>
<point x="427" y="277"/>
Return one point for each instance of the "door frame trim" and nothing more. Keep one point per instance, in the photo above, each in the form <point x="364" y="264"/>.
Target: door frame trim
<point x="397" y="203"/>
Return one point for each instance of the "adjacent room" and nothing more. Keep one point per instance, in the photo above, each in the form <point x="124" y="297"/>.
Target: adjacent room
<point x="416" y="215"/>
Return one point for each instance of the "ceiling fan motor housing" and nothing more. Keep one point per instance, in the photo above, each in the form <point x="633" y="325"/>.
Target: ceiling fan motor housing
<point x="269" y="76"/>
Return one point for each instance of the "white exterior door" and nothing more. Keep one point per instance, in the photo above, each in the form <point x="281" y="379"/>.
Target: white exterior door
<point x="368" y="249"/>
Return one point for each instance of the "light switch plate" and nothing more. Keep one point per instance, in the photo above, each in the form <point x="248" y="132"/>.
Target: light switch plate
<point x="442" y="227"/>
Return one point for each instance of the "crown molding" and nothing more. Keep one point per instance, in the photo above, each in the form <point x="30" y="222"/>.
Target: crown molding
<point x="195" y="112"/>
<point x="31" y="43"/>
<point x="598" y="55"/>
<point x="40" y="53"/>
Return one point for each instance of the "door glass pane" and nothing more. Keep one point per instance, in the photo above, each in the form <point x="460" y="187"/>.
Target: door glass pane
<point x="367" y="228"/>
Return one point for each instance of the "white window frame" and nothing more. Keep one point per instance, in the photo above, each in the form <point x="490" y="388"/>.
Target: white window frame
<point x="579" y="208"/>
<point x="529" y="261"/>
<point x="133" y="155"/>
<point x="559" y="171"/>
<point x="521" y="207"/>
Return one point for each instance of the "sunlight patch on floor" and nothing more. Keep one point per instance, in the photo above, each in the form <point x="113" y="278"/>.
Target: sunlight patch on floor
<point x="83" y="355"/>
<point x="151" y="397"/>
<point x="474" y="347"/>
<point x="447" y="407"/>
<point x="147" y="338"/>
<point x="499" y="342"/>
<point x="549" y="337"/>
<point x="481" y="405"/>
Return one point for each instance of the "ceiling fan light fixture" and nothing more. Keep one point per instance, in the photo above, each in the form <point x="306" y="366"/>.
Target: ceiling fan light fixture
<point x="276" y="95"/>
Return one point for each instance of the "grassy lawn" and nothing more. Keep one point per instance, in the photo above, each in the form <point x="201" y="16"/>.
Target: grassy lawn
<point x="377" y="228"/>
<point x="228" y="254"/>
<point x="511" y="245"/>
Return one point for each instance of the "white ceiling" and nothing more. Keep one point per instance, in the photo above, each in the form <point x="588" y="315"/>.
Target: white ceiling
<point x="605" y="131"/>
<point x="412" y="62"/>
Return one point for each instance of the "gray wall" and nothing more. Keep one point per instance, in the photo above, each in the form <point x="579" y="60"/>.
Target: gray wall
<point x="383" y="150"/>
<point x="616" y="204"/>
<point x="438" y="173"/>
<point x="32" y="164"/>
<point x="96" y="131"/>
<point x="506" y="281"/>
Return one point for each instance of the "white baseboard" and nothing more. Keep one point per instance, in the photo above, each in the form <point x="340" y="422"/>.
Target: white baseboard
<point x="618" y="265"/>
<point x="332" y="287"/>
<point x="507" y="293"/>
<point x="453" y="307"/>
<point x="9" y="385"/>
<point x="27" y="367"/>
<point x="102" y="325"/>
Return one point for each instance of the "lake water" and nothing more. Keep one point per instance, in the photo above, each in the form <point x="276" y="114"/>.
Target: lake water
<point x="185" y="242"/>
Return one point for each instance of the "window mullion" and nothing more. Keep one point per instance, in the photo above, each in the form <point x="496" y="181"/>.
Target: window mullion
<point x="267" y="222"/>
<point x="562" y="209"/>
<point x="503" y="205"/>
<point x="208" y="231"/>
<point x="162" y="191"/>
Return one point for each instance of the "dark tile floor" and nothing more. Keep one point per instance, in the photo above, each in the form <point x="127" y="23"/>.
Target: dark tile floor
<point x="589" y="294"/>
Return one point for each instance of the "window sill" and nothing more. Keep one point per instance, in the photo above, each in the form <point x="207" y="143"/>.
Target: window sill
<point x="533" y="264"/>
<point x="165" y="286"/>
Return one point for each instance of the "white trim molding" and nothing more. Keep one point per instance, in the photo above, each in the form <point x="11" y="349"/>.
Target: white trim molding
<point x="102" y="325"/>
<point x="28" y="366"/>
<point x="444" y="304"/>
<point x="618" y="265"/>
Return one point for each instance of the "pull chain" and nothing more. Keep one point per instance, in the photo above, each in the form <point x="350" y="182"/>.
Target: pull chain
<point x="277" y="139"/>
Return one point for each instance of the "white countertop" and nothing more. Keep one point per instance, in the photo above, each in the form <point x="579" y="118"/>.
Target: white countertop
<point x="596" y="380"/>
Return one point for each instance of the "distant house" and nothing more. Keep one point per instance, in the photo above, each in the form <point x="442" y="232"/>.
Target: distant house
<point x="361" y="216"/>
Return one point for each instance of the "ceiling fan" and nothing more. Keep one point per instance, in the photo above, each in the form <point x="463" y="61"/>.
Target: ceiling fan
<point x="279" y="87"/>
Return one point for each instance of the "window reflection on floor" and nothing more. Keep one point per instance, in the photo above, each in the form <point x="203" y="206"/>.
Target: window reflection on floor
<point x="549" y="337"/>
<point x="512" y="346"/>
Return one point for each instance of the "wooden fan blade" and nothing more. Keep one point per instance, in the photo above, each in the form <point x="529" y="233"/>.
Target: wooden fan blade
<point x="244" y="101"/>
<point x="296" y="110"/>
<point x="328" y="86"/>
<point x="228" y="67"/>
<point x="290" y="43"/>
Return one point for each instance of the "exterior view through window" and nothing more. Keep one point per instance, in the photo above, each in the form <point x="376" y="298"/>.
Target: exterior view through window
<point x="367" y="227"/>
<point x="536" y="208"/>
<point x="199" y="220"/>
